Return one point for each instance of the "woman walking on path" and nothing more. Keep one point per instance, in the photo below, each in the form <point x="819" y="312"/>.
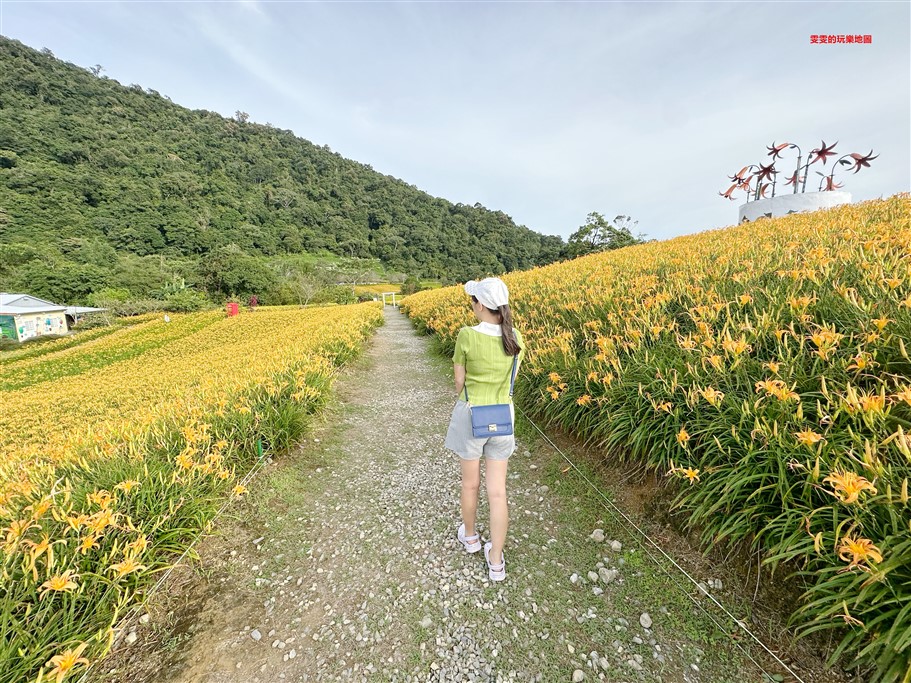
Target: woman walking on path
<point x="483" y="365"/>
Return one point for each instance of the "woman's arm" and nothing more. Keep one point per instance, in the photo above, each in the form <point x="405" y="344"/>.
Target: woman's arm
<point x="459" y="372"/>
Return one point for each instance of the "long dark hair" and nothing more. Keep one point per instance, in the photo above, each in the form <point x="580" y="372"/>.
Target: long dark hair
<point x="510" y="345"/>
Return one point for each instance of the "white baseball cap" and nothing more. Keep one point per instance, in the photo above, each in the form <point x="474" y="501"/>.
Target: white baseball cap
<point x="491" y="291"/>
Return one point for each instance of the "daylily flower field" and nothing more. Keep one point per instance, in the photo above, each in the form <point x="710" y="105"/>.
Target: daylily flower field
<point x="117" y="449"/>
<point x="765" y="367"/>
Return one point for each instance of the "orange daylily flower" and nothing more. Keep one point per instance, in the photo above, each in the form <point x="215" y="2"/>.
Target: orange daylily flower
<point x="848" y="486"/>
<point x="808" y="437"/>
<point x="127" y="486"/>
<point x="713" y="396"/>
<point x="66" y="661"/>
<point x="60" y="583"/>
<point x="128" y="566"/>
<point x="858" y="551"/>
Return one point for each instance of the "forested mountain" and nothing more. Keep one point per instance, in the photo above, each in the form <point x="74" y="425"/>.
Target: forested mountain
<point x="104" y="185"/>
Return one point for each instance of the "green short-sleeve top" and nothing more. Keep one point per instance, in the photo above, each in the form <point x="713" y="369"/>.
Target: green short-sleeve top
<point x="487" y="366"/>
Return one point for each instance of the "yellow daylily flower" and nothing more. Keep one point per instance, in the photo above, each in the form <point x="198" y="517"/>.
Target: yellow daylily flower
<point x="60" y="583"/>
<point x="808" y="437"/>
<point x="128" y="566"/>
<point x="858" y="551"/>
<point x="36" y="550"/>
<point x="848" y="486"/>
<point x="713" y="396"/>
<point x="139" y="544"/>
<point x="66" y="661"/>
<point x="691" y="474"/>
<point x="16" y="530"/>
<point x="87" y="543"/>
<point x="127" y="486"/>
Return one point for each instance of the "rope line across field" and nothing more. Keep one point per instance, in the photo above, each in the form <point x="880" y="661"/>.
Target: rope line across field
<point x="634" y="530"/>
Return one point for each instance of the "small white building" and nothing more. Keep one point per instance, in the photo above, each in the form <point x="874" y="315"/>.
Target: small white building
<point x="23" y="316"/>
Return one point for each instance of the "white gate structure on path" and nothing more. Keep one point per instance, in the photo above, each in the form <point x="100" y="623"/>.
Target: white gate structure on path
<point x="392" y="294"/>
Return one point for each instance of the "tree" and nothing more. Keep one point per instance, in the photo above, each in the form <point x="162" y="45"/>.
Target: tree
<point x="356" y="274"/>
<point x="411" y="285"/>
<point x="283" y="197"/>
<point x="8" y="158"/>
<point x="599" y="235"/>
<point x="96" y="70"/>
<point x="229" y="271"/>
<point x="304" y="284"/>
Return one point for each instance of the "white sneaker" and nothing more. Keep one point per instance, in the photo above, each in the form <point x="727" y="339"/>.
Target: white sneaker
<point x="496" y="572"/>
<point x="472" y="543"/>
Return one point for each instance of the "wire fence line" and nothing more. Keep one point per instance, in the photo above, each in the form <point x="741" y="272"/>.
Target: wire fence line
<point x="624" y="520"/>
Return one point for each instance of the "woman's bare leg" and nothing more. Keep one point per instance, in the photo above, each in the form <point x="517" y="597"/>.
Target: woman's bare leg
<point x="495" y="474"/>
<point x="471" y="482"/>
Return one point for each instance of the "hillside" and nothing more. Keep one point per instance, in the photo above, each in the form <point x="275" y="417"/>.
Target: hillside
<point x="108" y="186"/>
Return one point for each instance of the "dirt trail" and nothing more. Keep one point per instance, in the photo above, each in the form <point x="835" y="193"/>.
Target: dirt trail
<point x="342" y="565"/>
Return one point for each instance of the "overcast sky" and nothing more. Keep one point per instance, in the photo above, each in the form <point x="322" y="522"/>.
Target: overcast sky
<point x="545" y="111"/>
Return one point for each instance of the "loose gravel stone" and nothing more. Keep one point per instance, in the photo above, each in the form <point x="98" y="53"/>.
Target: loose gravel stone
<point x="607" y="575"/>
<point x="645" y="620"/>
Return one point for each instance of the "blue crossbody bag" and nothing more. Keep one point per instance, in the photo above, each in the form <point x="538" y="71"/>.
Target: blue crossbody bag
<point x="494" y="420"/>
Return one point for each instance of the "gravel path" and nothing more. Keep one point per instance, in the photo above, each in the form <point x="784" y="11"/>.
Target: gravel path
<point x="342" y="565"/>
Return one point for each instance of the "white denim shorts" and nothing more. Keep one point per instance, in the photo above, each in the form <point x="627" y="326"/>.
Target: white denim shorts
<point x="460" y="439"/>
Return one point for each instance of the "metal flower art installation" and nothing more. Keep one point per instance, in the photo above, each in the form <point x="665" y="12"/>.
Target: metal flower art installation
<point x="758" y="180"/>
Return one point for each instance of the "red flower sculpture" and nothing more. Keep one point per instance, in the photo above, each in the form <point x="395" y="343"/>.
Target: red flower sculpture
<point x="766" y="172"/>
<point x="823" y="153"/>
<point x="740" y="175"/>
<point x="730" y="191"/>
<point x="775" y="150"/>
<point x="831" y="184"/>
<point x="862" y="160"/>
<point x="759" y="180"/>
<point x="794" y="179"/>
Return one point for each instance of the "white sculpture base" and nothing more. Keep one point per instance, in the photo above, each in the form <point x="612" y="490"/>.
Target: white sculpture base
<point x="784" y="204"/>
